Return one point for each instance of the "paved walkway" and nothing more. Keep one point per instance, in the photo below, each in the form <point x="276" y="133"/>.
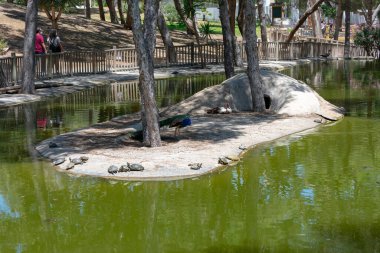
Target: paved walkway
<point x="60" y="86"/>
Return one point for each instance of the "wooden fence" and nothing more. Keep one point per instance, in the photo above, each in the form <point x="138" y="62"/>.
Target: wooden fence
<point x="120" y="59"/>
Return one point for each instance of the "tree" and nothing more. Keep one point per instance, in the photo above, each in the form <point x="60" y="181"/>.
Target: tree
<point x="263" y="26"/>
<point x="308" y="12"/>
<point x="227" y="39"/>
<point x="88" y="9"/>
<point x="253" y="70"/>
<point x="338" y="19"/>
<point x="166" y="38"/>
<point x="112" y="9"/>
<point x="128" y="22"/>
<point x="316" y="21"/>
<point x="145" y="39"/>
<point x="191" y="27"/>
<point x="101" y="10"/>
<point x="120" y="9"/>
<point x="240" y="18"/>
<point x="367" y="38"/>
<point x="347" y="29"/>
<point x="54" y="8"/>
<point x="28" y="72"/>
<point x="369" y="14"/>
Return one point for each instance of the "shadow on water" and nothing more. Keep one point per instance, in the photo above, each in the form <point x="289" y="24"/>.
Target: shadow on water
<point x="305" y="193"/>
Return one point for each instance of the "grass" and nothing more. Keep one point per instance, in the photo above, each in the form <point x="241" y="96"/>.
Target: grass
<point x="215" y="28"/>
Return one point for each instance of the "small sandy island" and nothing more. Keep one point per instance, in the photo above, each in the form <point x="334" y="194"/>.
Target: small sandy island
<point x="294" y="107"/>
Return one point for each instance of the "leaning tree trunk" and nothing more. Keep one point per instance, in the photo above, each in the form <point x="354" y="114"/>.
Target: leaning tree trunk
<point x="113" y="15"/>
<point x="101" y="10"/>
<point x="227" y="39"/>
<point x="145" y="38"/>
<point x="88" y="9"/>
<point x="253" y="70"/>
<point x="347" y="29"/>
<point x="308" y="12"/>
<point x="166" y="38"/>
<point x="27" y="86"/>
<point x="232" y="13"/>
<point x="240" y="18"/>
<point x="120" y="9"/>
<point x="185" y="19"/>
<point x="316" y="21"/>
<point x="263" y="27"/>
<point x="128" y="22"/>
<point x="338" y="19"/>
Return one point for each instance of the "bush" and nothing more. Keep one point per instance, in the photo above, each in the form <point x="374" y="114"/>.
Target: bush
<point x="369" y="38"/>
<point x="170" y="13"/>
<point x="3" y="45"/>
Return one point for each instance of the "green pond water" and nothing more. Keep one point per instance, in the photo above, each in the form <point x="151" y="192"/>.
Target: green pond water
<point x="316" y="191"/>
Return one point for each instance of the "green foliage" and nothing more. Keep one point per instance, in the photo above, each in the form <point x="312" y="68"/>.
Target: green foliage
<point x="170" y="13"/>
<point x="369" y="38"/>
<point x="3" y="45"/>
<point x="328" y="11"/>
<point x="205" y="28"/>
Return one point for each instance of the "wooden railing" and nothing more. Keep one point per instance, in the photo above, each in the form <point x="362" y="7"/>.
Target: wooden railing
<point x="119" y="59"/>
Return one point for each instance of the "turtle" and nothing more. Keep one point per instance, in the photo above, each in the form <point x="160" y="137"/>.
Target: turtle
<point x="113" y="169"/>
<point x="76" y="161"/>
<point x="70" y="166"/>
<point x="53" y="145"/>
<point x="84" y="159"/>
<point x="233" y="158"/>
<point x="135" y="167"/>
<point x="223" y="161"/>
<point x="195" y="166"/>
<point x="124" y="168"/>
<point x="59" y="161"/>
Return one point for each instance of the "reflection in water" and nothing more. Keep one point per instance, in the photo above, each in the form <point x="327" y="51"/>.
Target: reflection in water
<point x="306" y="193"/>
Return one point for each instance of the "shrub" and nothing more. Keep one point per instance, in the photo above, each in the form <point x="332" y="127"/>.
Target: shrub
<point x="369" y="38"/>
<point x="3" y="45"/>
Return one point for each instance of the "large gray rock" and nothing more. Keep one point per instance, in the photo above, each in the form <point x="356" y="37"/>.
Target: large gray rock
<point x="288" y="96"/>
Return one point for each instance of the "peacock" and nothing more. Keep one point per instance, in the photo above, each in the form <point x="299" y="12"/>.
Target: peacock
<point x="177" y="121"/>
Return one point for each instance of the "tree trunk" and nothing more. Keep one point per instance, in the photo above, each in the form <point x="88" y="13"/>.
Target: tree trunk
<point x="101" y="10"/>
<point x="113" y="15"/>
<point x="227" y="39"/>
<point x="145" y="38"/>
<point x="367" y="6"/>
<point x="253" y="70"/>
<point x="240" y="18"/>
<point x="338" y="19"/>
<point x="375" y="12"/>
<point x="316" y="21"/>
<point x="232" y="14"/>
<point x="308" y="12"/>
<point x="166" y="38"/>
<point x="88" y="9"/>
<point x="347" y="28"/>
<point x="120" y="9"/>
<point x="186" y="20"/>
<point x="29" y="42"/>
<point x="128" y="22"/>
<point x="263" y="27"/>
<point x="53" y="17"/>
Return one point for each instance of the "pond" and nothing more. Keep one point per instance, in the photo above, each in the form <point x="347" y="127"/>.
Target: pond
<point x="310" y="192"/>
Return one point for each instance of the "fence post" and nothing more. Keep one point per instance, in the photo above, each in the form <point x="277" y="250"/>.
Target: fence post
<point x="291" y="50"/>
<point x="70" y="56"/>
<point x="192" y="53"/>
<point x="114" y="58"/>
<point x="50" y="65"/>
<point x="277" y="50"/>
<point x="93" y="56"/>
<point x="14" y="68"/>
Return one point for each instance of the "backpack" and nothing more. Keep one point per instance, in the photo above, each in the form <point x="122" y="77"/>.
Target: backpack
<point x="54" y="46"/>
